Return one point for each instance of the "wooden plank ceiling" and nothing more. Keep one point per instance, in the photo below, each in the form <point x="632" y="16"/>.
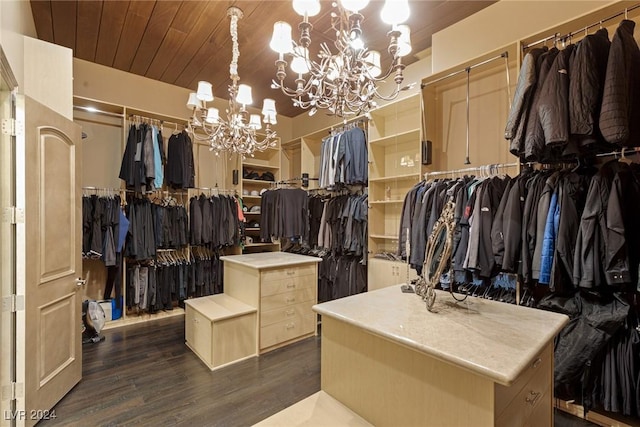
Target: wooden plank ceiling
<point x="182" y="42"/>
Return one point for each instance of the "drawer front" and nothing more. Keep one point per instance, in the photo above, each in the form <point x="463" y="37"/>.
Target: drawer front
<point x="269" y="317"/>
<point x="542" y="414"/>
<point x="288" y="298"/>
<point x="541" y="365"/>
<point x="287" y="284"/>
<point x="198" y="332"/>
<point x="287" y="330"/>
<point x="284" y="272"/>
<point x="528" y="401"/>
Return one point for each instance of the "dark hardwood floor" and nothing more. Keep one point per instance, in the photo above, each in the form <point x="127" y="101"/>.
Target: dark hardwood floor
<point x="145" y="375"/>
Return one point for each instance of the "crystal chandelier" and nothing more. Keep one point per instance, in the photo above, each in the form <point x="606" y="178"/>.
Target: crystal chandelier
<point x="344" y="81"/>
<point x="236" y="133"/>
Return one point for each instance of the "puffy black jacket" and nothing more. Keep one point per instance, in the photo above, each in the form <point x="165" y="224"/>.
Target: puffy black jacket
<point x="620" y="113"/>
<point x="586" y="86"/>
<point x="521" y="105"/>
<point x="534" y="135"/>
<point x="553" y="108"/>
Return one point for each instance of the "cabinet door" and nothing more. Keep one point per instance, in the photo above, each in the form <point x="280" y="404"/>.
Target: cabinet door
<point x="383" y="273"/>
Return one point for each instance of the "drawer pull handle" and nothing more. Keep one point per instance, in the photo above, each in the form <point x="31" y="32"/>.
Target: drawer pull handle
<point x="536" y="363"/>
<point x="291" y="325"/>
<point x="291" y="285"/>
<point x="290" y="312"/>
<point x="292" y="299"/>
<point x="291" y="272"/>
<point x="532" y="398"/>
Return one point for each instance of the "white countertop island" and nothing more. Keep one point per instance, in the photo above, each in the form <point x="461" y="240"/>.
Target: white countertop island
<point x="266" y="260"/>
<point x="477" y="362"/>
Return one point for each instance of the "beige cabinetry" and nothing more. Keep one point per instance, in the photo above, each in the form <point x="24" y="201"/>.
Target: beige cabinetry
<point x="283" y="288"/>
<point x="482" y="363"/>
<point x="383" y="273"/>
<point x="395" y="166"/>
<point x="220" y="330"/>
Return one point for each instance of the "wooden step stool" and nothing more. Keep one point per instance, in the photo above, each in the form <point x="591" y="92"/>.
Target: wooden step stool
<point x="220" y="330"/>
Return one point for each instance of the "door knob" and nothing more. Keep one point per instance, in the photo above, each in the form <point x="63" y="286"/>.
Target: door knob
<point x="80" y="281"/>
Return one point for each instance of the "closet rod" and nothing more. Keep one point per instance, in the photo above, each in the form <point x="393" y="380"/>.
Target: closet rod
<point x="504" y="54"/>
<point x="96" y="111"/>
<point x="557" y="36"/>
<point x="630" y="151"/>
<point x="162" y="121"/>
<point x="216" y="189"/>
<point x="473" y="169"/>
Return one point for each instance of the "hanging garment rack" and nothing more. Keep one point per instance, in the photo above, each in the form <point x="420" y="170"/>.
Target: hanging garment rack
<point x="483" y="168"/>
<point x="505" y="55"/>
<point x="346" y="125"/>
<point x="151" y="120"/>
<point x="624" y="152"/>
<point x="557" y="36"/>
<point x="215" y="191"/>
<point x="102" y="191"/>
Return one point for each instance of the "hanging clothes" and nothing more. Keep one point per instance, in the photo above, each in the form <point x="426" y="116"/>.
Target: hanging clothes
<point x="214" y="221"/>
<point x="180" y="170"/>
<point x="285" y="214"/>
<point x="344" y="159"/>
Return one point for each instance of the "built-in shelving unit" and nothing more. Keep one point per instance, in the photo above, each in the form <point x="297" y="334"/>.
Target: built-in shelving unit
<point x="259" y="163"/>
<point x="395" y="165"/>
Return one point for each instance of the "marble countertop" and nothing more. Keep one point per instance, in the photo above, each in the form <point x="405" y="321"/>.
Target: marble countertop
<point x="269" y="259"/>
<point x="492" y="339"/>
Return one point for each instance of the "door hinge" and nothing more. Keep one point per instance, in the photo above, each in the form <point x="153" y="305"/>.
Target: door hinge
<point x="13" y="215"/>
<point x="13" y="303"/>
<point x="13" y="391"/>
<point x="12" y="127"/>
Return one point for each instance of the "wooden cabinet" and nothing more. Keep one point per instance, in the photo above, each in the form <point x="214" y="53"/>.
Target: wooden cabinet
<point x="383" y="273"/>
<point x="220" y="330"/>
<point x="283" y="287"/>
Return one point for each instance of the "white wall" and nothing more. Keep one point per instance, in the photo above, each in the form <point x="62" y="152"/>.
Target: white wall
<point x="43" y="70"/>
<point x="15" y="21"/>
<point x="500" y="24"/>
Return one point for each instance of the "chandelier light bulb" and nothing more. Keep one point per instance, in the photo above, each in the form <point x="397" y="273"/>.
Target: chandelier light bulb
<point x="193" y="101"/>
<point x="300" y="62"/>
<point x="354" y="5"/>
<point x="306" y="7"/>
<point x="268" y="106"/>
<point x="395" y="12"/>
<point x="244" y="94"/>
<point x="254" y="122"/>
<point x="404" y="40"/>
<point x="205" y="93"/>
<point x="281" y="41"/>
<point x="213" y="115"/>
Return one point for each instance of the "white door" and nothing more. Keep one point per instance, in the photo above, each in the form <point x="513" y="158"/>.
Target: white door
<point x="7" y="244"/>
<point x="49" y="341"/>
